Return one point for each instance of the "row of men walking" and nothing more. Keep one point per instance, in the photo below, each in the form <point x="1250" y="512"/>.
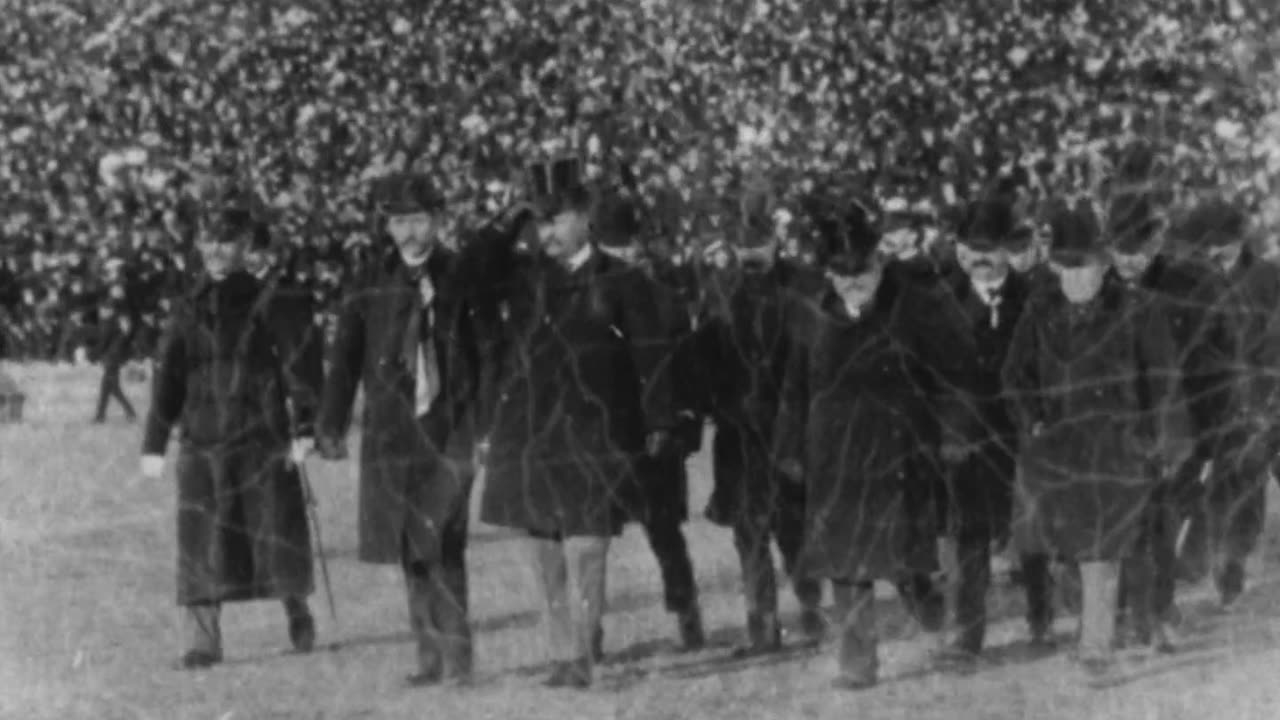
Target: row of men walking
<point x="864" y="406"/>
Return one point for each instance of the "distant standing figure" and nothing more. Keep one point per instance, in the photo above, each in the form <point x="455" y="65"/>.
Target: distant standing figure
<point x="115" y="340"/>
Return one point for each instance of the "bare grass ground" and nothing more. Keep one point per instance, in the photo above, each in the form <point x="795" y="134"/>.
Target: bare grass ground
<point x="88" y="625"/>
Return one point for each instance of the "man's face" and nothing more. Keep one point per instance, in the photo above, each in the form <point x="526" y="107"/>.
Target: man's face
<point x="220" y="259"/>
<point x="564" y="234"/>
<point x="983" y="266"/>
<point x="1225" y="257"/>
<point x="857" y="290"/>
<point x="901" y="243"/>
<point x="1080" y="282"/>
<point x="1131" y="265"/>
<point x="415" y="235"/>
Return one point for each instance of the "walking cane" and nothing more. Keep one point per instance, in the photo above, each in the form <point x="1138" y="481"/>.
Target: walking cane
<point x="310" y="498"/>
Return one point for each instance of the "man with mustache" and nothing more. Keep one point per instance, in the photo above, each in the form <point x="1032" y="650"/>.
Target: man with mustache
<point x="980" y="438"/>
<point x="405" y="333"/>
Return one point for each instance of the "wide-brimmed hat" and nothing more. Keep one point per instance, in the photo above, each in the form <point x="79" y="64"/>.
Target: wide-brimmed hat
<point x="1075" y="232"/>
<point x="406" y="193"/>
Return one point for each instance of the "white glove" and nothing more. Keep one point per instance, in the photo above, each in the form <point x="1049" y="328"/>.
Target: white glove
<point x="300" y="449"/>
<point x="152" y="466"/>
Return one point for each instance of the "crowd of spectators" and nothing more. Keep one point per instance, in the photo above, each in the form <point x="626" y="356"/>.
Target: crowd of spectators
<point x="115" y="114"/>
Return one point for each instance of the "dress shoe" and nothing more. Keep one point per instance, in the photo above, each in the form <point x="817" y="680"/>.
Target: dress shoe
<point x="574" y="674"/>
<point x="813" y="625"/>
<point x="764" y="635"/>
<point x="692" y="636"/>
<point x="199" y="660"/>
<point x="302" y="633"/>
<point x="1230" y="582"/>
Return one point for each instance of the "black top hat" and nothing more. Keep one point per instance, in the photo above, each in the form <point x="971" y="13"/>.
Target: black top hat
<point x="1132" y="223"/>
<point x="845" y="237"/>
<point x="1075" y="232"/>
<point x="405" y="194"/>
<point x="1213" y="222"/>
<point x="557" y="186"/>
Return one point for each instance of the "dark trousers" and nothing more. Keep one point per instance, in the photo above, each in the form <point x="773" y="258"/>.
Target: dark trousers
<point x="110" y="388"/>
<point x="202" y="624"/>
<point x="671" y="549"/>
<point x="752" y="538"/>
<point x="1148" y="574"/>
<point x="437" y="591"/>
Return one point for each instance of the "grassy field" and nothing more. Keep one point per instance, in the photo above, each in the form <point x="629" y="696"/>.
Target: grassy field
<point x="88" y="625"/>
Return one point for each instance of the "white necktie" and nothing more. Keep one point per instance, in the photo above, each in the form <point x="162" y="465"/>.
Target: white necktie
<point x="990" y="295"/>
<point x="427" y="380"/>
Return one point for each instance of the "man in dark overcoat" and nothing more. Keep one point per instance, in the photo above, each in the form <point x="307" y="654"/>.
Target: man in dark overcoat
<point x="1204" y="340"/>
<point x="115" y="344"/>
<point x="1216" y="232"/>
<point x="404" y="334"/>
<point x="874" y="365"/>
<point x="618" y="224"/>
<point x="980" y="439"/>
<point x="242" y="520"/>
<point x="1090" y="376"/>
<point x="742" y="345"/>
<point x="583" y="394"/>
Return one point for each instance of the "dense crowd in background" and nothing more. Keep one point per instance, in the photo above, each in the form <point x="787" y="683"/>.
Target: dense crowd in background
<point x="116" y="116"/>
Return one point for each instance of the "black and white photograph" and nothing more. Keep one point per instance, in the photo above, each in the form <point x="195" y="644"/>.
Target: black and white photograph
<point x="643" y="359"/>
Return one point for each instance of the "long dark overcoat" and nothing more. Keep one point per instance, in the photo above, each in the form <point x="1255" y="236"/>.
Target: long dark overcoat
<point x="581" y="379"/>
<point x="861" y="404"/>
<point x="980" y="488"/>
<point x="1093" y="389"/>
<point x="241" y="521"/>
<point x="407" y="490"/>
<point x="664" y="478"/>
<point x="742" y="346"/>
<point x="1252" y="301"/>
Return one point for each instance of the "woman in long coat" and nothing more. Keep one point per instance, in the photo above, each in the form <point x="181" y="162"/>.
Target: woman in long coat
<point x="1091" y="375"/>
<point x="861" y="398"/>
<point x="242" y="521"/>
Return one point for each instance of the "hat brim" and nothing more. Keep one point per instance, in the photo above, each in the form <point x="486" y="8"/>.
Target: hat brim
<point x="851" y="264"/>
<point x="1076" y="258"/>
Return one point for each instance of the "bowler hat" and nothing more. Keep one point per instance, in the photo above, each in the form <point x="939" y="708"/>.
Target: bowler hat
<point x="1075" y="232"/>
<point x="406" y="194"/>
<point x="1132" y="223"/>
<point x="990" y="224"/>
<point x="1213" y="222"/>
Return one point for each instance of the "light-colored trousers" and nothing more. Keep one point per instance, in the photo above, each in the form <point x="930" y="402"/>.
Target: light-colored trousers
<point x="571" y="578"/>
